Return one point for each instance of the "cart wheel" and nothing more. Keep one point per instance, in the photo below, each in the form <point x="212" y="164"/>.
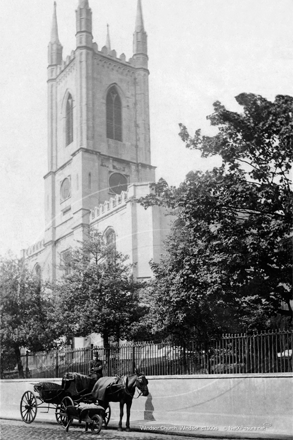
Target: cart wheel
<point x="96" y="423"/>
<point x="28" y="407"/>
<point x="107" y="415"/>
<point x="60" y="411"/>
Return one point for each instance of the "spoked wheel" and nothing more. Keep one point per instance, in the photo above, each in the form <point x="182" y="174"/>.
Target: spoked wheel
<point x="96" y="424"/>
<point x="60" y="412"/>
<point x="107" y="416"/>
<point x="28" y="407"/>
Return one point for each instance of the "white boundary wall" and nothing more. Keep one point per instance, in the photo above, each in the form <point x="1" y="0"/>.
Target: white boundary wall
<point x="258" y="405"/>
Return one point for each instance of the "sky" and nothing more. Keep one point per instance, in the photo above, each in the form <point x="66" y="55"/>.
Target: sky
<point x="200" y="51"/>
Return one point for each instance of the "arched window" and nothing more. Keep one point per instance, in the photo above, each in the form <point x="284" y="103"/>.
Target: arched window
<point x="114" y="115"/>
<point x="110" y="237"/>
<point x="110" y="241"/>
<point x="65" y="260"/>
<point x="69" y="120"/>
<point x="38" y="271"/>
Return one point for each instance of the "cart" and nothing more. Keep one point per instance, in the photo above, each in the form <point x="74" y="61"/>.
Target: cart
<point x="49" y="395"/>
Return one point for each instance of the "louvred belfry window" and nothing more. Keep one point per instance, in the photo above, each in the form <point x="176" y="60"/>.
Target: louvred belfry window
<point x="114" y="115"/>
<point x="69" y="120"/>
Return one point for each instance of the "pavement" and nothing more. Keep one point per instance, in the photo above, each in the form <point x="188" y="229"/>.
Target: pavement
<point x="18" y="430"/>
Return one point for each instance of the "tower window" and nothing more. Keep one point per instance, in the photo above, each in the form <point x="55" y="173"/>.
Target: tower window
<point x="69" y="120"/>
<point x="65" y="261"/>
<point x="117" y="183"/>
<point x="65" y="189"/>
<point x="114" y="115"/>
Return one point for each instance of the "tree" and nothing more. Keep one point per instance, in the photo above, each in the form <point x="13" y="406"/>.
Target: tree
<point x="228" y="265"/>
<point x="27" y="313"/>
<point x="98" y="293"/>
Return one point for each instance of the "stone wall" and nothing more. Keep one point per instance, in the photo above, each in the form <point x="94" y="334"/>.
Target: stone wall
<point x="258" y="405"/>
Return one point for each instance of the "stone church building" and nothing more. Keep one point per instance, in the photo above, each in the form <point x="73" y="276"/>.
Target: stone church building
<point x="99" y="153"/>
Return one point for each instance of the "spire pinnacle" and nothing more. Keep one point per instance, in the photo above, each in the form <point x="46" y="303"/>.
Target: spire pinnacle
<point x="83" y="4"/>
<point x="140" y="45"/>
<point x="54" y="30"/>
<point x="139" y="25"/>
<point x="108" y="41"/>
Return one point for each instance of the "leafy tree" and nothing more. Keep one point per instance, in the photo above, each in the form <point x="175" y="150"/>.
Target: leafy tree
<point x="98" y="293"/>
<point x="27" y="313"/>
<point x="228" y="265"/>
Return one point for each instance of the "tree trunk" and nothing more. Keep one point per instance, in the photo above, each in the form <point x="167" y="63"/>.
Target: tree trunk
<point x="106" y="340"/>
<point x="107" y="350"/>
<point x="19" y="363"/>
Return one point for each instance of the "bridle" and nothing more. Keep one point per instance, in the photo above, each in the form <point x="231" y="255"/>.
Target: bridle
<point x="140" y="393"/>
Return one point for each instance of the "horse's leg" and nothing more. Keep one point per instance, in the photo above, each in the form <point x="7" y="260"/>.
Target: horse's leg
<point x="121" y="415"/>
<point x="128" y="407"/>
<point x="105" y="405"/>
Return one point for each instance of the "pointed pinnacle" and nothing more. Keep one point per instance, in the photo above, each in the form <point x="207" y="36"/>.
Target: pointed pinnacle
<point x="54" y="30"/>
<point x="108" y="41"/>
<point x="139" y="25"/>
<point x="83" y="4"/>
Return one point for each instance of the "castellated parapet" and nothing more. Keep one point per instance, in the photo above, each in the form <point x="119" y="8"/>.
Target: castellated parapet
<point x="110" y="55"/>
<point x="35" y="248"/>
<point x="109" y="206"/>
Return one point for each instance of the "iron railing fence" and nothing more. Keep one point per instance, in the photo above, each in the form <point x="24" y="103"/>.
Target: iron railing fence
<point x="265" y="352"/>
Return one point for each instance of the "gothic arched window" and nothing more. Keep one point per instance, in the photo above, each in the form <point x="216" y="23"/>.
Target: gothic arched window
<point x="110" y="237"/>
<point x="110" y="241"/>
<point x="69" y="120"/>
<point x="38" y="271"/>
<point x="114" y="115"/>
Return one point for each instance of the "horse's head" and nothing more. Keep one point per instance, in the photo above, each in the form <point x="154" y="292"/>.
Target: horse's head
<point x="142" y="384"/>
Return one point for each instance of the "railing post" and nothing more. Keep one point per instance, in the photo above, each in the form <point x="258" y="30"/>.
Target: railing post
<point x="27" y="373"/>
<point x="108" y="361"/>
<point x="133" y="358"/>
<point x="291" y="352"/>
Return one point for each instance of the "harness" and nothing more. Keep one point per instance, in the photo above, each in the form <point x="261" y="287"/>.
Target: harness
<point x="123" y="380"/>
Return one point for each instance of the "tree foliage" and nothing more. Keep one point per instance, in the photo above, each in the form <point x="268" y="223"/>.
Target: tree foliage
<point x="27" y="313"/>
<point x="228" y="265"/>
<point x="98" y="294"/>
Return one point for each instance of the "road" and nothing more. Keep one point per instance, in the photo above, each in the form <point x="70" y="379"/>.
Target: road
<point x="16" y="430"/>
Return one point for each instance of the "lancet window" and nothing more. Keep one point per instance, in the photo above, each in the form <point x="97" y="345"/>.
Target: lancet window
<point x="69" y="120"/>
<point x="114" y="115"/>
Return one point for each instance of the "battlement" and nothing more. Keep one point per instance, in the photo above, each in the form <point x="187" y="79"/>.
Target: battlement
<point x="109" y="54"/>
<point x="112" y="54"/>
<point x="109" y="206"/>
<point x="33" y="249"/>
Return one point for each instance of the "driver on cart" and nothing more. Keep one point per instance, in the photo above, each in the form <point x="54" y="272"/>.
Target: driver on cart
<point x="96" y="368"/>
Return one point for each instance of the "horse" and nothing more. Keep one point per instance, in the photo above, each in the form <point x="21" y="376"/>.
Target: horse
<point x="120" y="390"/>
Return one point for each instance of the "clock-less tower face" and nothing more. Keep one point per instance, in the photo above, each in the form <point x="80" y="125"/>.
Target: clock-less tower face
<point x="65" y="189"/>
<point x="117" y="183"/>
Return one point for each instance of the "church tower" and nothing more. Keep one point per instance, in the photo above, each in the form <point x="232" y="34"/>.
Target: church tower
<point x="98" y="128"/>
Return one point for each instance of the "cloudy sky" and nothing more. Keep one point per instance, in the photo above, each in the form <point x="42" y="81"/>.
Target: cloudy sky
<point x="200" y="51"/>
